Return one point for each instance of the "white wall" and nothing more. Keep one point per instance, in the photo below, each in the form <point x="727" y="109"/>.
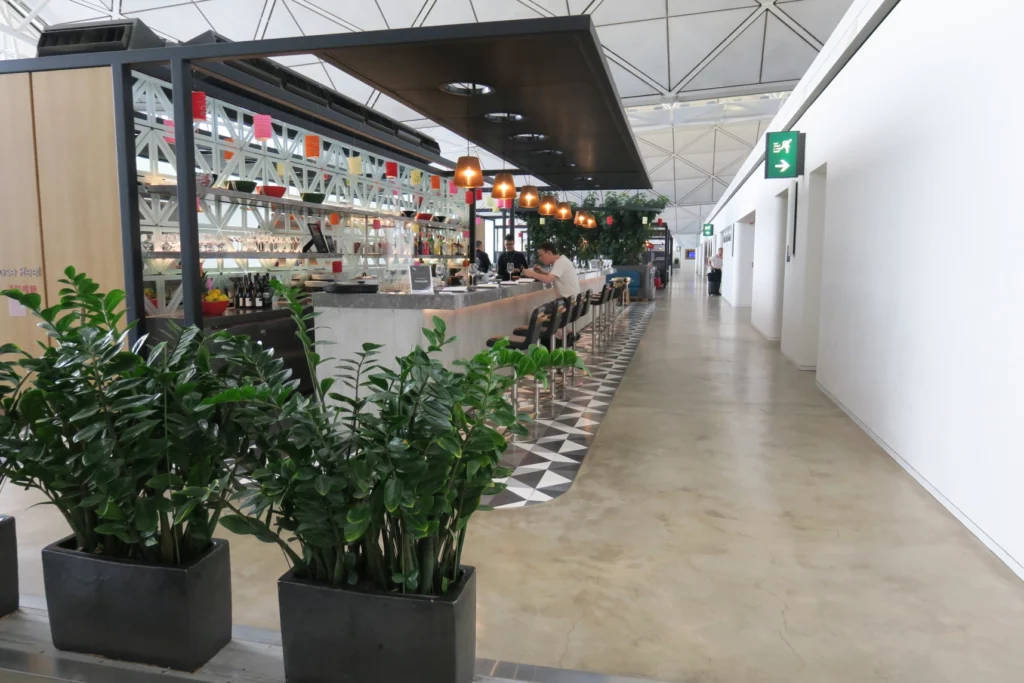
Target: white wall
<point x="769" y="265"/>
<point x="921" y="133"/>
<point x="803" y="255"/>
<point x="737" y="271"/>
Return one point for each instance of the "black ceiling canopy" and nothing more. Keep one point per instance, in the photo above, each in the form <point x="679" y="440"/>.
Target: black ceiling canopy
<point x="550" y="71"/>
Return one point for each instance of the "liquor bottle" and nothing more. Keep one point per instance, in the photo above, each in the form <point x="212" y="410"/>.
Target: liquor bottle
<point x="257" y="293"/>
<point x="238" y="295"/>
<point x="268" y="293"/>
<point x="248" y="292"/>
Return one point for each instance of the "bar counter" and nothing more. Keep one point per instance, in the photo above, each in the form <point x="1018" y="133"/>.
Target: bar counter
<point x="396" y="320"/>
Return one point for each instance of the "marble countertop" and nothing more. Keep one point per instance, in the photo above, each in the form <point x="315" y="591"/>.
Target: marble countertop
<point x="405" y="301"/>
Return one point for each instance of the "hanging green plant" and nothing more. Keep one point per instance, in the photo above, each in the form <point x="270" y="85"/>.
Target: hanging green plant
<point x="623" y="241"/>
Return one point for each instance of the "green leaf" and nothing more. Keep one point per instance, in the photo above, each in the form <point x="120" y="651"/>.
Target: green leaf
<point x="244" y="526"/>
<point x="85" y="412"/>
<point x="129" y="402"/>
<point x="322" y="485"/>
<point x="186" y="510"/>
<point x="450" y="444"/>
<point x="358" y="514"/>
<point x="113" y="298"/>
<point x="355" y="530"/>
<point x="110" y="510"/>
<point x="165" y="481"/>
<point x="392" y="494"/>
<point x="89" y="432"/>
<point x="146" y="515"/>
<point x="111" y="528"/>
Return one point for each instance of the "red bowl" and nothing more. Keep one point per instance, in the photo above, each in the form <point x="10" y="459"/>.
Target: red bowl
<point x="272" y="191"/>
<point x="215" y="308"/>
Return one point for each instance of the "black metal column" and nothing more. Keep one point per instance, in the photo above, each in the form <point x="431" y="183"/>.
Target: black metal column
<point x="188" y="222"/>
<point x="471" y="249"/>
<point x="128" y="196"/>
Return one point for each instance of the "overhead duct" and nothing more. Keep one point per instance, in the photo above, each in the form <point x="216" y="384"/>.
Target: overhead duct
<point x="281" y="76"/>
<point x="100" y="36"/>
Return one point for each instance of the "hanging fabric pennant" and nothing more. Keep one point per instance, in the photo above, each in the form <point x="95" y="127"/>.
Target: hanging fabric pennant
<point x="355" y="165"/>
<point x="416" y="176"/>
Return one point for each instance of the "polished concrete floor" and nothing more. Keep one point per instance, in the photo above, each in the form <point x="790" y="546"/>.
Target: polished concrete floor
<point x="729" y="525"/>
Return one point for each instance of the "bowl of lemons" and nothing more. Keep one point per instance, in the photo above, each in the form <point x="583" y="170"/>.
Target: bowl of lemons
<point x="215" y="302"/>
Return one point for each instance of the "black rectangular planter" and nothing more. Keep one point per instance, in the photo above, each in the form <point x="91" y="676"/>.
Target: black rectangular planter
<point x="8" y="566"/>
<point x="176" y="617"/>
<point x="339" y="634"/>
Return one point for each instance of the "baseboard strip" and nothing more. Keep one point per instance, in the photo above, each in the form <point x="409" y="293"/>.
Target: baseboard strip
<point x="990" y="543"/>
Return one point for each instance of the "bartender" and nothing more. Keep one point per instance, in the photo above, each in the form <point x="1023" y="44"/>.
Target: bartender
<point x="510" y="256"/>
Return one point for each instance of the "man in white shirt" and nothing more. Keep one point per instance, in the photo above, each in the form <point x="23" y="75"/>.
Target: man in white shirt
<point x="562" y="274"/>
<point x="715" y="276"/>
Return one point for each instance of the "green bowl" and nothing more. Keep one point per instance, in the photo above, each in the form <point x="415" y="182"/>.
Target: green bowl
<point x="248" y="186"/>
<point x="314" y="197"/>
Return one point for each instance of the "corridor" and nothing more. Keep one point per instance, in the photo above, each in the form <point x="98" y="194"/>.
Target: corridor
<point x="730" y="525"/>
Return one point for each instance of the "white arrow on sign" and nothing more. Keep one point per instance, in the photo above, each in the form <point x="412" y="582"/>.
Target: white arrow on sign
<point x="782" y="165"/>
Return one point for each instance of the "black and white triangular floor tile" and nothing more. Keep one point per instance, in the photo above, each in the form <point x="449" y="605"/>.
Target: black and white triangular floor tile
<point x="545" y="463"/>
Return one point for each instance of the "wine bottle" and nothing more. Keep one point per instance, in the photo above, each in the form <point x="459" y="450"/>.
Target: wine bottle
<point x="248" y="292"/>
<point x="268" y="293"/>
<point x="257" y="293"/>
<point x="238" y="296"/>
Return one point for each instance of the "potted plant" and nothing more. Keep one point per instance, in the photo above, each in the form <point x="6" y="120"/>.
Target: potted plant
<point x="8" y="548"/>
<point x="139" y="466"/>
<point x="367" y="488"/>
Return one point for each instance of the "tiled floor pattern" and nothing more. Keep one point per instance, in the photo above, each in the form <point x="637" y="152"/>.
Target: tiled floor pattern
<point x="546" y="463"/>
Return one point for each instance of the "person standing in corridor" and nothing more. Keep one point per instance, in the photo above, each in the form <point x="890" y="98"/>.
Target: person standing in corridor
<point x="715" y="276"/>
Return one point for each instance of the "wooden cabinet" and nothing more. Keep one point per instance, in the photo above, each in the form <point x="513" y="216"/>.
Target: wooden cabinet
<point x="21" y="248"/>
<point x="58" y="188"/>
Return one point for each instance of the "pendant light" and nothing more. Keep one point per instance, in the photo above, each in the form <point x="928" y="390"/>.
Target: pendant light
<point x="528" y="197"/>
<point x="547" y="205"/>
<point x="591" y="221"/>
<point x="504" y="186"/>
<point x="563" y="211"/>
<point x="468" y="174"/>
<point x="581" y="218"/>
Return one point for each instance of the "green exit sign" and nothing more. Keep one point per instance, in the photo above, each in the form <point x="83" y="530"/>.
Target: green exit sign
<point x="709" y="230"/>
<point x="784" y="156"/>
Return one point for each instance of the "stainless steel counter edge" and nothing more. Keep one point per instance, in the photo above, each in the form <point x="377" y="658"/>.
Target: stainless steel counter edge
<point x="448" y="302"/>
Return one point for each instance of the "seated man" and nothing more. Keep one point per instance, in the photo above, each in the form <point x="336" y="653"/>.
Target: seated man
<point x="561" y="275"/>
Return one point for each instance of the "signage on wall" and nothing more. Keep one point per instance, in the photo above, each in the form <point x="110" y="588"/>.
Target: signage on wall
<point x="709" y="230"/>
<point x="784" y="154"/>
<point x="727" y="235"/>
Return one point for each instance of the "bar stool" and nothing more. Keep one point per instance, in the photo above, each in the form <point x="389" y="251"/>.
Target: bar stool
<point x="521" y="342"/>
<point x="599" y="315"/>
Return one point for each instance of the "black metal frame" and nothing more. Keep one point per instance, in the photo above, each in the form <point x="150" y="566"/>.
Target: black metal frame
<point x="183" y="59"/>
<point x="128" y="197"/>
<point x="185" y="169"/>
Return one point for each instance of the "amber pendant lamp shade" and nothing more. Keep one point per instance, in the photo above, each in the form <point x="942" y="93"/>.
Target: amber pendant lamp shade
<point x="563" y="211"/>
<point x="591" y="221"/>
<point x="547" y="205"/>
<point x="504" y="186"/>
<point x="581" y="217"/>
<point x="528" y="197"/>
<point x="468" y="174"/>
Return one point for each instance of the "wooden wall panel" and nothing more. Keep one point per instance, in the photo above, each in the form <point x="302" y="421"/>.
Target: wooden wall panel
<point x="21" y="250"/>
<point x="75" y="153"/>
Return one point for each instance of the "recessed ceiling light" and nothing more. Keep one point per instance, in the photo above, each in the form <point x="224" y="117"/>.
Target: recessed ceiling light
<point x="526" y="137"/>
<point x="570" y="164"/>
<point x="584" y="178"/>
<point x="547" y="152"/>
<point x="466" y="89"/>
<point x="503" y="117"/>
